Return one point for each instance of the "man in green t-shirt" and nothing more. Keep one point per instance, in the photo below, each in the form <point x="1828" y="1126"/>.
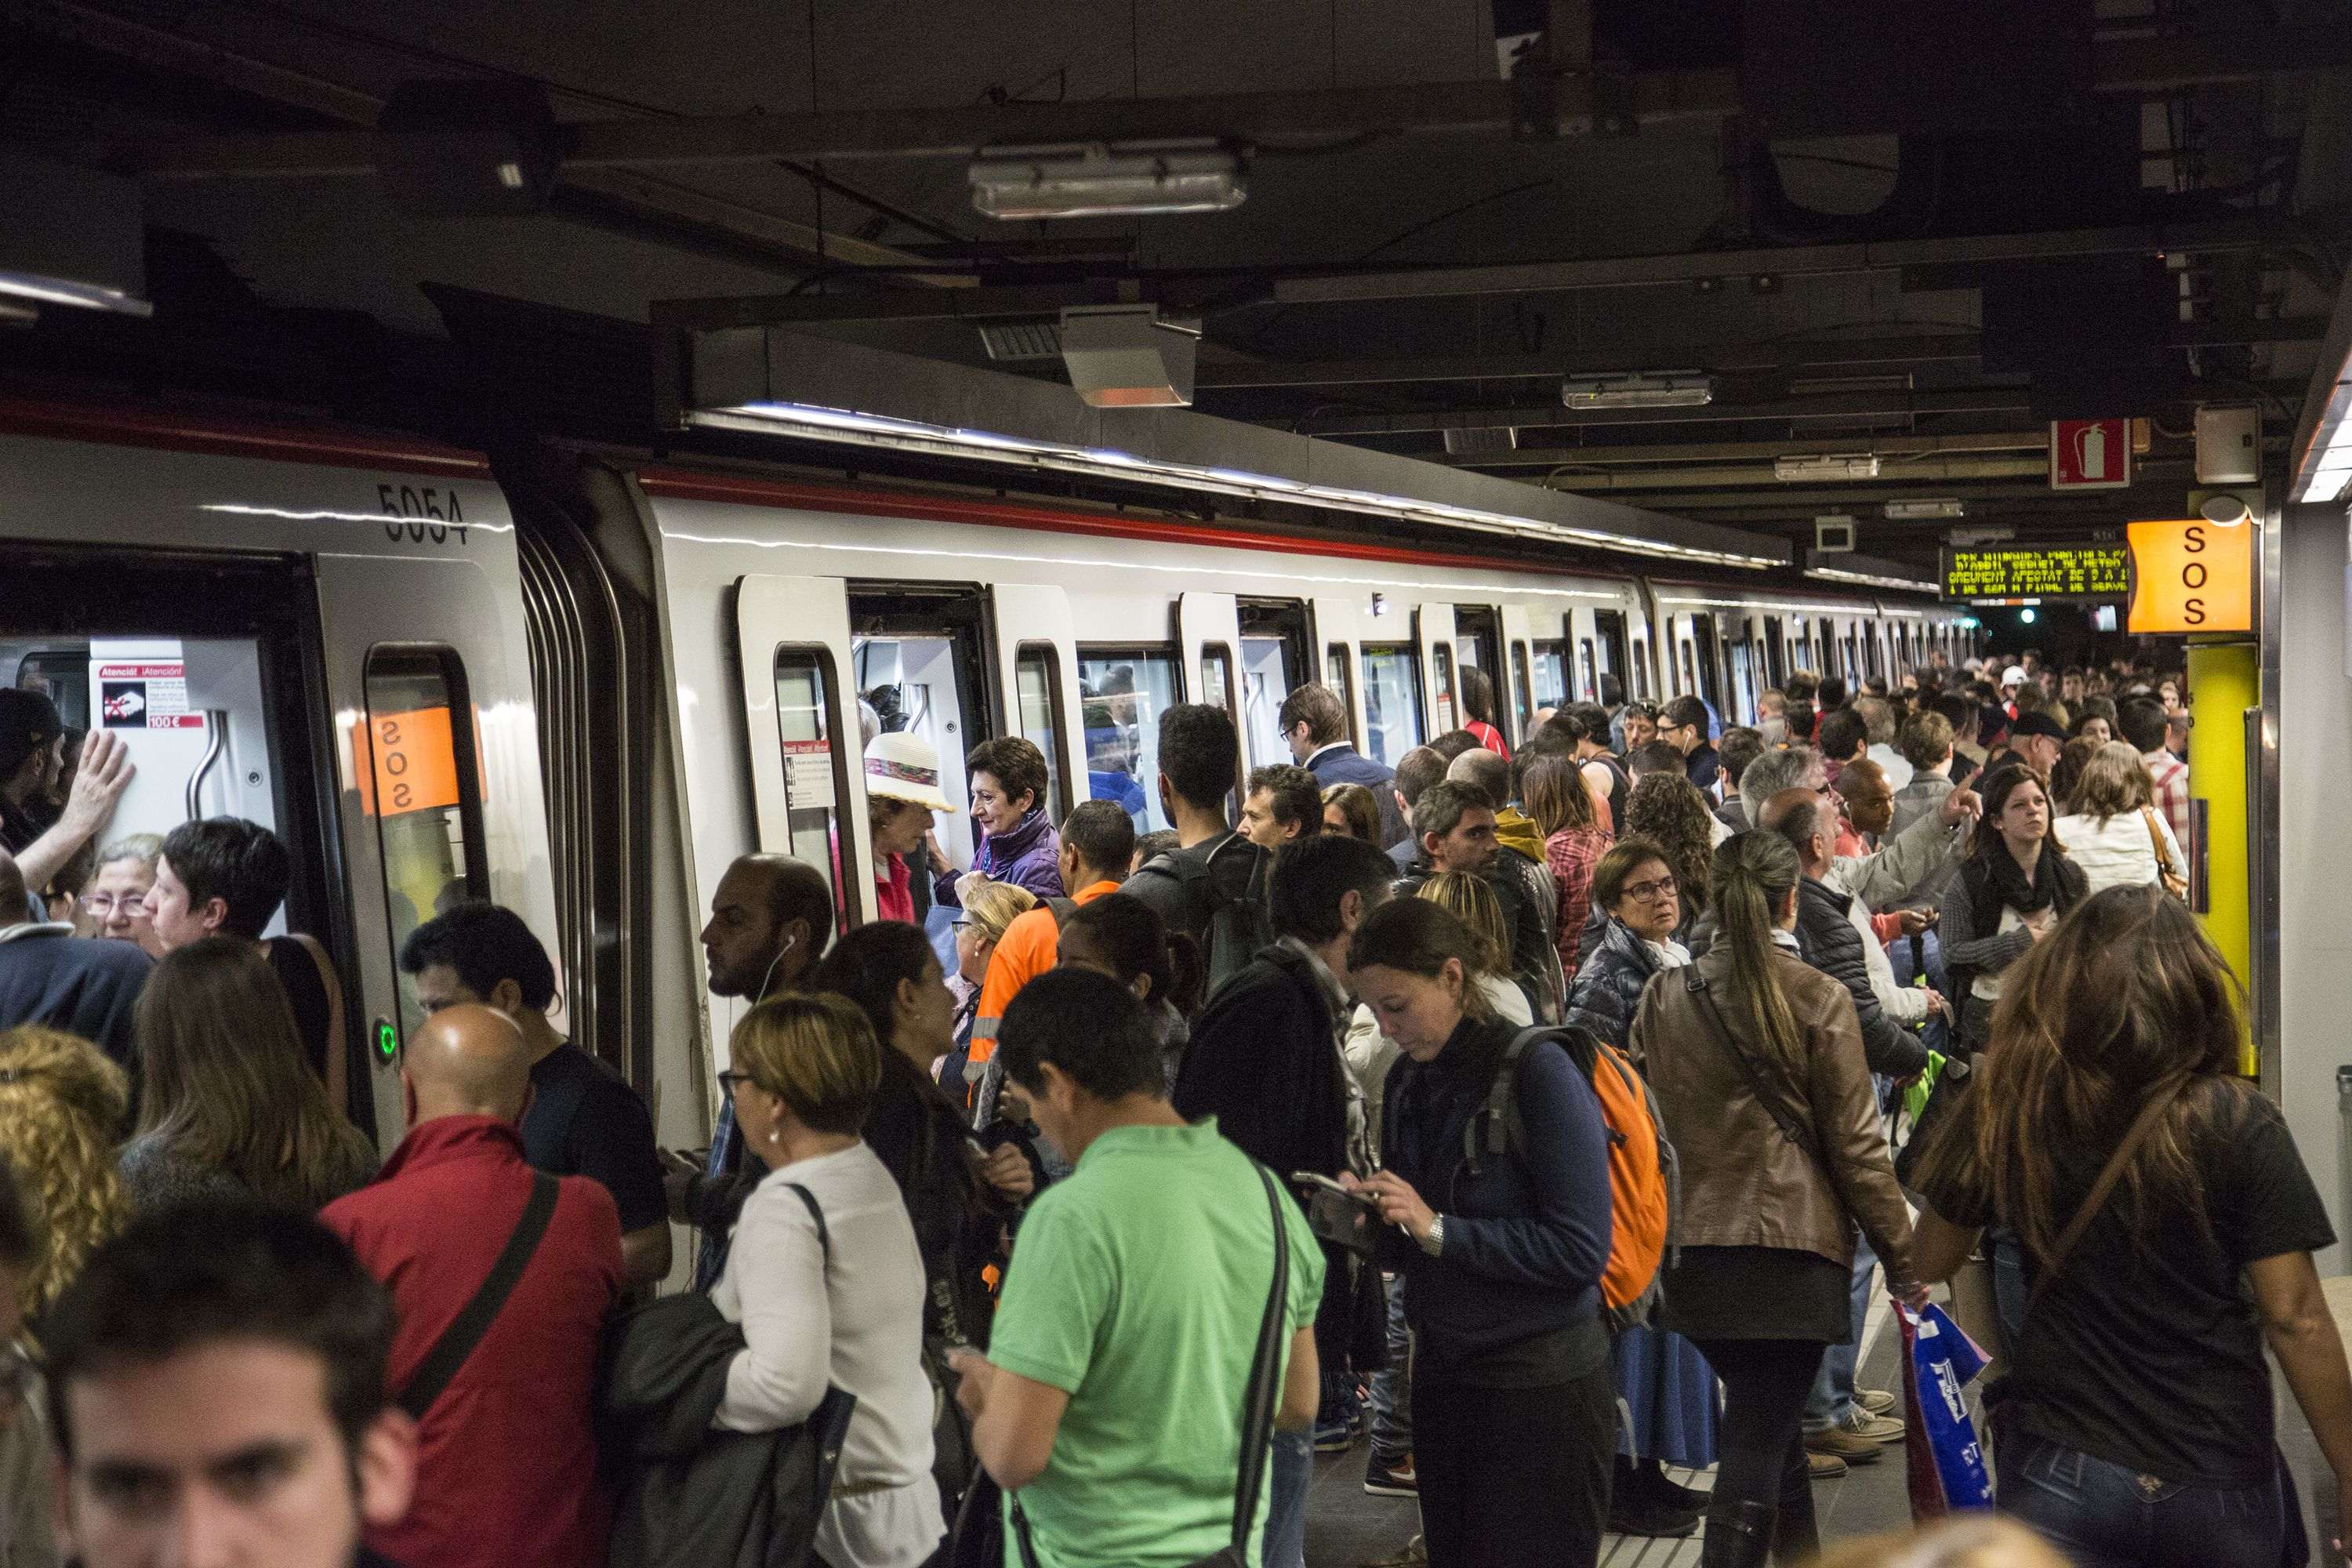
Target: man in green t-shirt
<point x="1118" y="1362"/>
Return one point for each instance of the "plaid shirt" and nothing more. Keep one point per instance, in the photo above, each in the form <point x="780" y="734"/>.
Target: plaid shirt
<point x="2171" y="776"/>
<point x="1571" y="854"/>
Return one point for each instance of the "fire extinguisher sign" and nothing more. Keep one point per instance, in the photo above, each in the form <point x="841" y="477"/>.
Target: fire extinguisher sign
<point x="2090" y="454"/>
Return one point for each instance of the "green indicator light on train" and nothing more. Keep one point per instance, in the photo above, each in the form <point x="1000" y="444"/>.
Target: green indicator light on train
<point x="387" y="1039"/>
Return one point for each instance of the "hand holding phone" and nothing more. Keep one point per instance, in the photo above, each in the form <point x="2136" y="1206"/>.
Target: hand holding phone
<point x="1353" y="1194"/>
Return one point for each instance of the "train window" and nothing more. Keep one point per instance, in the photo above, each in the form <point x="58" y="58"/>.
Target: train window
<point x="1551" y="673"/>
<point x="1037" y="673"/>
<point x="1267" y="680"/>
<point x="1124" y="691"/>
<point x="1449" y="714"/>
<point x="1523" y="687"/>
<point x="1342" y="682"/>
<point x="419" y="782"/>
<point x="1591" y="690"/>
<point x="1391" y="701"/>
<point x="1217" y="676"/>
<point x="1641" y="671"/>
<point x="1776" y="659"/>
<point x="816" y="769"/>
<point x="1611" y="625"/>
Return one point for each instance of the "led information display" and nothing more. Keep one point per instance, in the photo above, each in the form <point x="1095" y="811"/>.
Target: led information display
<point x="2041" y="572"/>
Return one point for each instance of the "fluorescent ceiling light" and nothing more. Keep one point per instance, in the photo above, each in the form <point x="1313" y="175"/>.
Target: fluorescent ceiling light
<point x="1675" y="389"/>
<point x="909" y="435"/>
<point x="1924" y="511"/>
<point x="1106" y="181"/>
<point x="1871" y="580"/>
<point x="1834" y="466"/>
<point x="65" y="291"/>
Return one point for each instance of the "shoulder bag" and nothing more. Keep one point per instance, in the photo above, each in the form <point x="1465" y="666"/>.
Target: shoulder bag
<point x="1258" y="1406"/>
<point x="467" y="1330"/>
<point x="2167" y="872"/>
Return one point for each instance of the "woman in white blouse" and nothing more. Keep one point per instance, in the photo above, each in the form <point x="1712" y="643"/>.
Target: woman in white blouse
<point x="804" y="1069"/>
<point x="2115" y="831"/>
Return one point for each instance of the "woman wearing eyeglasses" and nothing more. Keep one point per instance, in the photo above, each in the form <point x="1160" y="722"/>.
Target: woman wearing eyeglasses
<point x="1635" y="889"/>
<point x="115" y="903"/>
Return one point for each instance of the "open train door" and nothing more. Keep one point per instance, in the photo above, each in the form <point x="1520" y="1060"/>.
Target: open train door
<point x="1515" y="680"/>
<point x="1036" y="645"/>
<point x="1338" y="636"/>
<point x="800" y="716"/>
<point x="1433" y="626"/>
<point x="1209" y="626"/>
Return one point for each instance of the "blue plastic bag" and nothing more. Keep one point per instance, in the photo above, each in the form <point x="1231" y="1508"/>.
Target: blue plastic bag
<point x="1945" y="1461"/>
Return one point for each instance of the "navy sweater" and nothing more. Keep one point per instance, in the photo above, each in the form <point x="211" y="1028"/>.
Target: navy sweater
<point x="1525" y="1238"/>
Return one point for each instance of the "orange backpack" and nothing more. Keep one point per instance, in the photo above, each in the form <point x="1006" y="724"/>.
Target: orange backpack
<point x="1644" y="1179"/>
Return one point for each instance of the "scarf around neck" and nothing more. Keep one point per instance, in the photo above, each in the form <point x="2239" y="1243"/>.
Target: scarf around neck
<point x="2009" y="883"/>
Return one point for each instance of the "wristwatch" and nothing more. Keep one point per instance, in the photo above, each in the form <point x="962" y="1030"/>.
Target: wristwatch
<point x="1434" y="1242"/>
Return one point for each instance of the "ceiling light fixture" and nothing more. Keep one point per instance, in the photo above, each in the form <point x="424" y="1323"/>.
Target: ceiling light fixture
<point x="1127" y="180"/>
<point x="1832" y="465"/>
<point x="1924" y="511"/>
<point x="1663" y="389"/>
<point x="1124" y="356"/>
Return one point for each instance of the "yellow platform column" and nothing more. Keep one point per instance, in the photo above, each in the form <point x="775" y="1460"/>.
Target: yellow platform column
<point x="2223" y="682"/>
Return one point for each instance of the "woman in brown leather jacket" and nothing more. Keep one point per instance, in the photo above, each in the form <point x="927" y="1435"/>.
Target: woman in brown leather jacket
<point x="1756" y="1060"/>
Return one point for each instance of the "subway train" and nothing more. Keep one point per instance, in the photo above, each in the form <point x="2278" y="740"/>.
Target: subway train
<point x="580" y="684"/>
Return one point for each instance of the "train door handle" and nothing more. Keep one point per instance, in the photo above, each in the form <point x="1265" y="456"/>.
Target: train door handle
<point x="216" y="742"/>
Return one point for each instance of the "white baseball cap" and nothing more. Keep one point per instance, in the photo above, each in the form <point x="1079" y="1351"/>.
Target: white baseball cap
<point x="903" y="766"/>
<point x="2014" y="675"/>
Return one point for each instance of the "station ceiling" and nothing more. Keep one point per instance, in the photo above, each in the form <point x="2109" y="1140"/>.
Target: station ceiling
<point x="1917" y="233"/>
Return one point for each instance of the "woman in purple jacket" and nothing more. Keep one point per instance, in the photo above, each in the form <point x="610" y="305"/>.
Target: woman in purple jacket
<point x="1017" y="844"/>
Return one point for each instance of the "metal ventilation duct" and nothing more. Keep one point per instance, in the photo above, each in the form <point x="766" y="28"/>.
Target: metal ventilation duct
<point x="769" y="381"/>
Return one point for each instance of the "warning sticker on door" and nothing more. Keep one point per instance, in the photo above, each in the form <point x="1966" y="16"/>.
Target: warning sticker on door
<point x="145" y="697"/>
<point x="808" y="775"/>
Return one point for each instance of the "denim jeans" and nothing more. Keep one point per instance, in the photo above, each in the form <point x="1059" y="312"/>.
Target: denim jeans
<point x="1285" y="1542"/>
<point x="1392" y="1385"/>
<point x="2007" y="1255"/>
<point x="2106" y="1515"/>
<point x="1831" y="1399"/>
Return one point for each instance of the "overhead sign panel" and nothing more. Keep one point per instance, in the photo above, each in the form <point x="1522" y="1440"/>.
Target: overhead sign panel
<point x="2191" y="575"/>
<point x="2038" y="572"/>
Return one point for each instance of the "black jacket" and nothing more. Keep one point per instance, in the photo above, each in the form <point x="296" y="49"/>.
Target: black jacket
<point x="1610" y="982"/>
<point x="84" y="985"/>
<point x="1826" y="934"/>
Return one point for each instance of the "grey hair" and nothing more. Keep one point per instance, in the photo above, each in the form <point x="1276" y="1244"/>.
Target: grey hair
<point x="1771" y="773"/>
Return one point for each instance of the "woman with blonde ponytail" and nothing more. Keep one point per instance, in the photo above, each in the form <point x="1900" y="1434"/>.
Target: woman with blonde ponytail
<point x="1755" y="1060"/>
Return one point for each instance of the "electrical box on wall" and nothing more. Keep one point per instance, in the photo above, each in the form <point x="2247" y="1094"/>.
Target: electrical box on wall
<point x="2228" y="444"/>
<point x="1834" y="533"/>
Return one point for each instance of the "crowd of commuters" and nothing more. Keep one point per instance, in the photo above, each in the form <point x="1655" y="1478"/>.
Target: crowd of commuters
<point x="1200" y="1154"/>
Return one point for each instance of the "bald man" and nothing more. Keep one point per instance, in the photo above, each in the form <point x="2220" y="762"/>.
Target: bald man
<point x="506" y="1447"/>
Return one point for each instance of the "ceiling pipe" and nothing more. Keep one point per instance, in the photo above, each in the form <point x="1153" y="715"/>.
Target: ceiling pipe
<point x="1930" y="470"/>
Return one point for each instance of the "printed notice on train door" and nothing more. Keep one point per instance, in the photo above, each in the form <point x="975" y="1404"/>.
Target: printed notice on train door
<point x="145" y="695"/>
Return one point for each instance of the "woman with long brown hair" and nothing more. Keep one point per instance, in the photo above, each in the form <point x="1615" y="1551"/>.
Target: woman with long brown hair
<point x="1574" y="841"/>
<point x="1755" y="1060"/>
<point x="228" y="1105"/>
<point x="2009" y="894"/>
<point x="2148" y="1186"/>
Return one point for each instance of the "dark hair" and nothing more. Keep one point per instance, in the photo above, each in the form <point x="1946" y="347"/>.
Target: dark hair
<point x="1297" y="797"/>
<point x="1132" y="939"/>
<point x="1477" y="694"/>
<point x="197" y="1274"/>
<point x="1833" y="693"/>
<point x="1198" y="752"/>
<point x="1668" y="809"/>
<point x="797" y="891"/>
<point x="1311" y="877"/>
<point x="1797" y="716"/>
<point x="1319" y="708"/>
<point x="1454" y="742"/>
<point x="1416" y="936"/>
<point x="1152" y="845"/>
<point x="1587" y="721"/>
<point x="1416" y="770"/>
<point x="1557" y="798"/>
<point x="238" y="862"/>
<point x="1749" y="880"/>
<point x="1843" y="733"/>
<point x="28" y="722"/>
<point x="1625" y="857"/>
<point x="1091" y="1027"/>
<point x="1686" y="709"/>
<point x="1738" y="747"/>
<point x="865" y="966"/>
<point x="20" y="1233"/>
<point x="1999" y="781"/>
<point x="485" y="943"/>
<point x="1442" y="806"/>
<point x="1102" y="834"/>
<point x="1360" y="806"/>
<point x="1018" y="764"/>
<point x="1655" y="757"/>
<point x="1613" y="691"/>
<point x="2143" y="722"/>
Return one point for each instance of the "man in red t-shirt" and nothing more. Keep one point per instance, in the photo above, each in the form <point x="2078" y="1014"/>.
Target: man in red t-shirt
<point x="506" y="1454"/>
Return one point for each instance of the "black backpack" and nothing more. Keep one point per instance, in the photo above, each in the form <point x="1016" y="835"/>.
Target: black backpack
<point x="1225" y="902"/>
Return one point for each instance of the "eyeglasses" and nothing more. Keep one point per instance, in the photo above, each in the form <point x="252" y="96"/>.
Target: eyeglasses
<point x="1664" y="888"/>
<point x="731" y="1080"/>
<point x="104" y="904"/>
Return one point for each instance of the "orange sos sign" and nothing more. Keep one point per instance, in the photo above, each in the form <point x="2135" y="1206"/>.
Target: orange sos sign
<point x="415" y="764"/>
<point x="2191" y="575"/>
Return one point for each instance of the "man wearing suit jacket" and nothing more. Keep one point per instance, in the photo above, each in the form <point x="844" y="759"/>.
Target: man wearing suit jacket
<point x="1314" y="724"/>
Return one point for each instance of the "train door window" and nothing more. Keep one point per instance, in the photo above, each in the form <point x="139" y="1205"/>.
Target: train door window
<point x="1552" y="672"/>
<point x="1610" y="625"/>
<point x="1217" y="676"/>
<point x="1523" y="687"/>
<point x="1710" y="663"/>
<point x="1450" y="713"/>
<point x="1641" y="670"/>
<point x="1342" y="682"/>
<point x="1776" y="662"/>
<point x="1123" y="691"/>
<point x="1392" y="701"/>
<point x="1478" y="638"/>
<point x="1269" y="675"/>
<point x="419" y="783"/>
<point x="1590" y="688"/>
<point x="1037" y="673"/>
<point x="915" y="656"/>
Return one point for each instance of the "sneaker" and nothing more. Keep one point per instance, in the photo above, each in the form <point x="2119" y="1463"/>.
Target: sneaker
<point x="1861" y="1423"/>
<point x="1638" y="1518"/>
<point x="1824" y="1466"/>
<point x="1392" y="1481"/>
<point x="1839" y="1443"/>
<point x="1877" y="1401"/>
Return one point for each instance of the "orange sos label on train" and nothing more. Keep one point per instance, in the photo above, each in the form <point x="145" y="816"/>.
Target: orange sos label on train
<point x="2191" y="575"/>
<point x="414" y="761"/>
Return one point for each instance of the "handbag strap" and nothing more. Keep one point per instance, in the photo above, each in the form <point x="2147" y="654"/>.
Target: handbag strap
<point x="2158" y="1101"/>
<point x="465" y="1330"/>
<point x="2164" y="865"/>
<point x="1258" y="1405"/>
